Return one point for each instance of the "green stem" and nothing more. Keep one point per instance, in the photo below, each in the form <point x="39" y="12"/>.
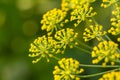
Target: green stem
<point x="84" y="44"/>
<point x="97" y="74"/>
<point x="95" y="22"/>
<point x="118" y="50"/>
<point x="84" y="50"/>
<point x="107" y="37"/>
<point x="99" y="66"/>
<point x="55" y="57"/>
<point x="102" y="38"/>
<point x="117" y="61"/>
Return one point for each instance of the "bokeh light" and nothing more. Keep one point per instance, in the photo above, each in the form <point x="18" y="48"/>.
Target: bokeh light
<point x="19" y="26"/>
<point x="30" y="28"/>
<point x="25" y="4"/>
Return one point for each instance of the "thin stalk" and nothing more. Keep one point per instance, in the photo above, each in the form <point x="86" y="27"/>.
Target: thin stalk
<point x="102" y="38"/>
<point x="84" y="50"/>
<point x="97" y="74"/>
<point x="117" y="61"/>
<point x="107" y="37"/>
<point x="87" y="46"/>
<point x="95" y="22"/>
<point x="99" y="66"/>
<point x="55" y="57"/>
<point x="118" y="50"/>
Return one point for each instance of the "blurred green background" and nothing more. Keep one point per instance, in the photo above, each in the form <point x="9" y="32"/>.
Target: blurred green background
<point x="19" y="26"/>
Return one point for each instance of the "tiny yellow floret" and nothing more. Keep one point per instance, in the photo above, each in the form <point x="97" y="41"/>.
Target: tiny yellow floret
<point x="106" y="52"/>
<point x="92" y="32"/>
<point x="52" y="20"/>
<point x="111" y="76"/>
<point x="42" y="47"/>
<point x="67" y="70"/>
<point x="107" y="3"/>
<point x="66" y="37"/>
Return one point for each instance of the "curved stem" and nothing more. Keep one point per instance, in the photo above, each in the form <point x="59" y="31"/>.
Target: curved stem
<point x="97" y="74"/>
<point x="99" y="66"/>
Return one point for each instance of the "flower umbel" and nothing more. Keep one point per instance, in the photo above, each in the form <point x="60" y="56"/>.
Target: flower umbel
<point x="107" y="3"/>
<point x="118" y="39"/>
<point x="115" y="22"/>
<point x="81" y="12"/>
<point x="60" y="36"/>
<point x="92" y="32"/>
<point x="67" y="70"/>
<point x="106" y="51"/>
<point x="66" y="37"/>
<point x="53" y="20"/>
<point x="68" y="4"/>
<point x="42" y="47"/>
<point x="111" y="76"/>
<point x="71" y="4"/>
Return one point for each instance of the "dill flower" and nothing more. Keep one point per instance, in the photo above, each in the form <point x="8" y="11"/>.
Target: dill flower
<point x="81" y="12"/>
<point x="67" y="70"/>
<point x="53" y="20"/>
<point x="42" y="47"/>
<point x="118" y="39"/>
<point x="107" y="3"/>
<point x="66" y="37"/>
<point x="106" y="51"/>
<point x="111" y="76"/>
<point x="92" y="32"/>
<point x="115" y="22"/>
<point x="68" y="4"/>
<point x="71" y="4"/>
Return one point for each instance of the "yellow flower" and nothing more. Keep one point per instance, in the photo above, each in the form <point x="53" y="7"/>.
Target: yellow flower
<point x="115" y="22"/>
<point x="81" y="12"/>
<point x="42" y="47"/>
<point x="106" y="51"/>
<point x="118" y="39"/>
<point x="67" y="70"/>
<point x="68" y="4"/>
<point x="66" y="37"/>
<point x="107" y="3"/>
<point x="111" y="76"/>
<point x="53" y="20"/>
<point x="92" y="32"/>
<point x="71" y="4"/>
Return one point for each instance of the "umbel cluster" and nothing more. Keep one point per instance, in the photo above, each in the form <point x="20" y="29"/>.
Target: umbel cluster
<point x="60" y="36"/>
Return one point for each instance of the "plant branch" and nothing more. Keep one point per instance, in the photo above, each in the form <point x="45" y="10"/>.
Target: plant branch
<point x="97" y="74"/>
